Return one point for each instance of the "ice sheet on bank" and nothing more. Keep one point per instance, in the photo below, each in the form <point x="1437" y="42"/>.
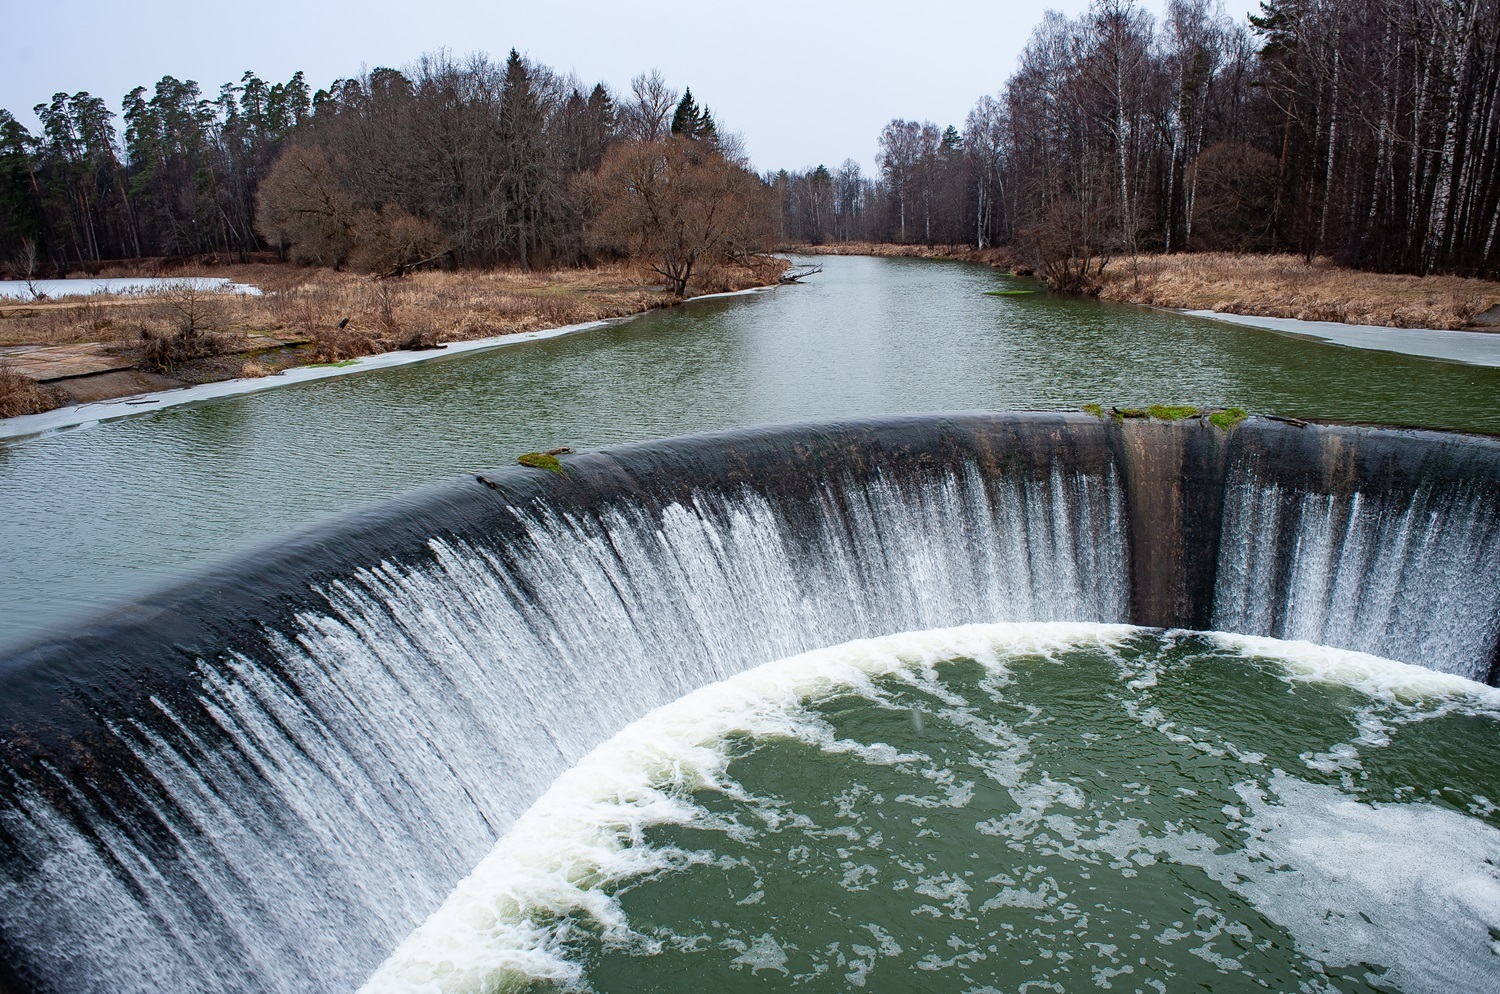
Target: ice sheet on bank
<point x="1475" y="348"/>
<point x="22" y="290"/>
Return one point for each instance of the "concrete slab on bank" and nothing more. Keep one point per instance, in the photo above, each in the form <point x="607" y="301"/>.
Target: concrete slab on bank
<point x="45" y="363"/>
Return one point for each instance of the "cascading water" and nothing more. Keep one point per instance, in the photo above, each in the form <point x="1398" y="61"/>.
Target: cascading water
<point x="1403" y="567"/>
<point x="265" y="780"/>
<point x="1412" y="580"/>
<point x="1042" y="806"/>
<point x="333" y="782"/>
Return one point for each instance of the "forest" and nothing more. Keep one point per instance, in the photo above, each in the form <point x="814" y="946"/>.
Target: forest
<point x="1363" y="130"/>
<point x="464" y="164"/>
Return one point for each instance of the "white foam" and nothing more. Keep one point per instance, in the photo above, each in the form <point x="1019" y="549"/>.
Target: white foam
<point x="1352" y="882"/>
<point x="765" y="953"/>
<point x="1386" y="679"/>
<point x="578" y="834"/>
<point x="1357" y="883"/>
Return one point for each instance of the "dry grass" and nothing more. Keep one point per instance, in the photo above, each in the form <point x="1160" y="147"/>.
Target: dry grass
<point x="426" y="308"/>
<point x="759" y="270"/>
<point x="21" y="395"/>
<point x="1287" y="286"/>
<point x="337" y="316"/>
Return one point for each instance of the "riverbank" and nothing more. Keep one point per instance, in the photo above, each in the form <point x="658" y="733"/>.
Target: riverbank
<point x="109" y="409"/>
<point x="1000" y="258"/>
<point x="135" y="344"/>
<point x="113" y="509"/>
<point x="1287" y="286"/>
<point x="1269" y="286"/>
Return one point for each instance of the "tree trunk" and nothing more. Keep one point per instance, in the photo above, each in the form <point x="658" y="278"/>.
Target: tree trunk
<point x="1333" y="134"/>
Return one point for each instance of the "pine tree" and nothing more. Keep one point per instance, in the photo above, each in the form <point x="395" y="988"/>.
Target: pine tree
<point x="524" y="158"/>
<point x="685" y="120"/>
<point x="22" y="221"/>
<point x="691" y="122"/>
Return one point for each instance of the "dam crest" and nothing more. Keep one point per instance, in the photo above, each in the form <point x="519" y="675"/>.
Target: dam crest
<point x="262" y="780"/>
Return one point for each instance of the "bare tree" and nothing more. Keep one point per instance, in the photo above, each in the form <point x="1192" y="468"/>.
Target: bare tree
<point x="985" y="133"/>
<point x="849" y="198"/>
<point x="27" y="266"/>
<point x="304" y="208"/>
<point x="648" y="117"/>
<point x="391" y="242"/>
<point x="680" y="206"/>
<point x="905" y="156"/>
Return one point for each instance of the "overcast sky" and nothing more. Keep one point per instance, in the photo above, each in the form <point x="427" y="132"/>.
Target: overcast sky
<point x="803" y="82"/>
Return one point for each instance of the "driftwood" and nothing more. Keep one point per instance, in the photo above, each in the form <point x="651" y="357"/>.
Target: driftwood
<point x="402" y="268"/>
<point x="799" y="273"/>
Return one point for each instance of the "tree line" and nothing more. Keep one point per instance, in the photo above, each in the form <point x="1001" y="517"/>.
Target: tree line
<point x="179" y="180"/>
<point x="1367" y="130"/>
<point x="470" y="163"/>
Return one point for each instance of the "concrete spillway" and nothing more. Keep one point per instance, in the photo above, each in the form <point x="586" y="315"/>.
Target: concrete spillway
<point x="263" y="779"/>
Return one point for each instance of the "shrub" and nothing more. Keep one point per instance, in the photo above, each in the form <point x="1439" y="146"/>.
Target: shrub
<point x="165" y="352"/>
<point x="22" y="395"/>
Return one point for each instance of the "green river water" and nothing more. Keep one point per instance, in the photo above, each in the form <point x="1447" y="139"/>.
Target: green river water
<point x="112" y="510"/>
<point x="1009" y="808"/>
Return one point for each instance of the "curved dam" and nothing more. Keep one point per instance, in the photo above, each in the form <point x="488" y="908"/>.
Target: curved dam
<point x="263" y="780"/>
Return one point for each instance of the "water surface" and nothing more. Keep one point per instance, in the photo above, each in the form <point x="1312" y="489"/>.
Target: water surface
<point x="114" y="509"/>
<point x="1008" y="808"/>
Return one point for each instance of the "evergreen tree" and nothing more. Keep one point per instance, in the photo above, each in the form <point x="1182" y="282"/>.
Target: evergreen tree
<point x="691" y="122"/>
<point x="685" y="120"/>
<point x="523" y="151"/>
<point x="21" y="218"/>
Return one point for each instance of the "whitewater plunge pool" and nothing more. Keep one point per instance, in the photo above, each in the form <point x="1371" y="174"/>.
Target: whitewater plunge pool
<point x="1008" y="808"/>
<point x="96" y="514"/>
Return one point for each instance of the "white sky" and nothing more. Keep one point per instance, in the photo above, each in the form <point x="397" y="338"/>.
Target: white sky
<point x="803" y="82"/>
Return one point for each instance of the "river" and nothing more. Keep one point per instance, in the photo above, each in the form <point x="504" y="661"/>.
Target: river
<point x="115" y="509"/>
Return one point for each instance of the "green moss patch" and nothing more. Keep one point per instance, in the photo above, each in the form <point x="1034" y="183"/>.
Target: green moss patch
<point x="1228" y="418"/>
<point x="541" y="460"/>
<point x="1225" y="419"/>
<point x="332" y="365"/>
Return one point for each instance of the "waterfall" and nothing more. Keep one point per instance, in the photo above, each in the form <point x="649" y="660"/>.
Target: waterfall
<point x="263" y="779"/>
<point x="321" y="791"/>
<point x="1408" y="569"/>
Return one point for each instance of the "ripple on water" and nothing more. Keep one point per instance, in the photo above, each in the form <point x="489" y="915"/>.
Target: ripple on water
<point x="1009" y="807"/>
